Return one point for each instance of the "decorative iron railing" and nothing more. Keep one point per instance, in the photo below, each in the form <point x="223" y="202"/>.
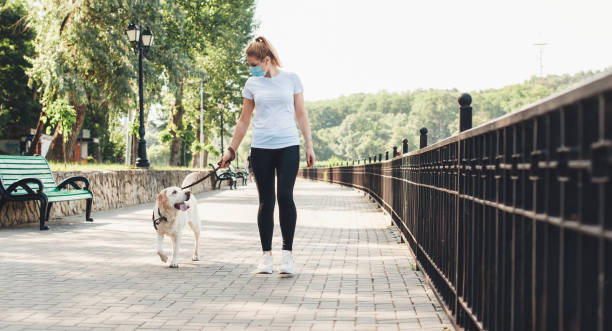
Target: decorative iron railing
<point x="510" y="221"/>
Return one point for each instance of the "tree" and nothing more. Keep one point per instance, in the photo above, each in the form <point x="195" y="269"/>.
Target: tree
<point x="18" y="106"/>
<point x="204" y="38"/>
<point x="83" y="55"/>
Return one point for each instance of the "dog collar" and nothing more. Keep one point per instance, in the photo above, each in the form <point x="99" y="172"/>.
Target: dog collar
<point x="156" y="221"/>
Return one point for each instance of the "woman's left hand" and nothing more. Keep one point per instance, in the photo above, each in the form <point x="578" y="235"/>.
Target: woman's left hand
<point x="310" y="157"/>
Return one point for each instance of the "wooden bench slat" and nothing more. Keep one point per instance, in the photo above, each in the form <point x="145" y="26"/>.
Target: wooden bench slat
<point x="8" y="167"/>
<point x="33" y="172"/>
<point x="45" y="184"/>
<point x="4" y="161"/>
<point x="46" y="187"/>
<point x="22" y="176"/>
<point x="22" y="158"/>
<point x="13" y="161"/>
<point x="6" y="177"/>
<point x="81" y="196"/>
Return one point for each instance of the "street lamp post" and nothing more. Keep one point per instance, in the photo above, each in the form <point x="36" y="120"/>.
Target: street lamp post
<point x="221" y="106"/>
<point x="202" y="123"/>
<point x="141" y="43"/>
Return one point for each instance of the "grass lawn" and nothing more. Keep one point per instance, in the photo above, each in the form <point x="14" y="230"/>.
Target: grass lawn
<point x="59" y="166"/>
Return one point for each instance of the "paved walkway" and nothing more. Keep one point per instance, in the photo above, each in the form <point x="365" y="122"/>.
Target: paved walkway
<point x="353" y="274"/>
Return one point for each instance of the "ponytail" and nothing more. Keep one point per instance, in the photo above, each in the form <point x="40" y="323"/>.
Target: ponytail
<point x="260" y="48"/>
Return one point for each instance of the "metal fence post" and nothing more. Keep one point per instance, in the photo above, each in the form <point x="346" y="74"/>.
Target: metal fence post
<point x="394" y="151"/>
<point x="423" y="137"/>
<point x="405" y="146"/>
<point x="465" y="112"/>
<point x="379" y="157"/>
<point x="369" y="159"/>
<point x="386" y="155"/>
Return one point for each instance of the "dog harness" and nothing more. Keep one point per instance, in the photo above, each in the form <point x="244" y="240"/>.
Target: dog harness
<point x="157" y="221"/>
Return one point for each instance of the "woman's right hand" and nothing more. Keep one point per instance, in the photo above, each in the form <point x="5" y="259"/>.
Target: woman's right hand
<point x="226" y="159"/>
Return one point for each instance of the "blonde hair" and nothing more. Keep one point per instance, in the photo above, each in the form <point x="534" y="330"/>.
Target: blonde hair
<point x="260" y="48"/>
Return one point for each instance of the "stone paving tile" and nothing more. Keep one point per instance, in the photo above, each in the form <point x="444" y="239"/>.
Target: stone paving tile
<point x="352" y="272"/>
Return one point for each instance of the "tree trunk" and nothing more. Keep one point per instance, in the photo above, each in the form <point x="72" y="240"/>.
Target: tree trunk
<point x="177" y="124"/>
<point x="39" y="128"/>
<point x="134" y="147"/>
<point x="195" y="162"/>
<point x="56" y="148"/>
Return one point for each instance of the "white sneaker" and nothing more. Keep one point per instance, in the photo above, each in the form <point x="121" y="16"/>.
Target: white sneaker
<point x="265" y="264"/>
<point x="286" y="266"/>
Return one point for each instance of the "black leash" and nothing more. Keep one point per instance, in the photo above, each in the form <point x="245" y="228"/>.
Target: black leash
<point x="202" y="179"/>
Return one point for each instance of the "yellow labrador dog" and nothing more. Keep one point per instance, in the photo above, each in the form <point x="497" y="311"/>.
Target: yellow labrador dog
<point x="175" y="208"/>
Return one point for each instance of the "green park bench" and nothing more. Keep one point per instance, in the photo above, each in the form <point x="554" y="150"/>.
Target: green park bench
<point x="239" y="174"/>
<point x="24" y="178"/>
<point x="220" y="176"/>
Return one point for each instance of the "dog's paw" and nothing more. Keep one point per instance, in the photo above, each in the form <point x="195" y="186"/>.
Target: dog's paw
<point x="173" y="265"/>
<point x="163" y="257"/>
<point x="195" y="258"/>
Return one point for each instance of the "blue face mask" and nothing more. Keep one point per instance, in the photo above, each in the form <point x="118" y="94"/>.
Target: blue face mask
<point x="257" y="72"/>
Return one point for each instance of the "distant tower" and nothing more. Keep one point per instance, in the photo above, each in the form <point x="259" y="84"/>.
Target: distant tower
<point x="540" y="47"/>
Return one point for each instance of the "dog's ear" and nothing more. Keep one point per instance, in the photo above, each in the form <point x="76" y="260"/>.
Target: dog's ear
<point x="162" y="200"/>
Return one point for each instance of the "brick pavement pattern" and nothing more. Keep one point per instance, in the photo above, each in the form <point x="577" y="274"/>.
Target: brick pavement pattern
<point x="352" y="271"/>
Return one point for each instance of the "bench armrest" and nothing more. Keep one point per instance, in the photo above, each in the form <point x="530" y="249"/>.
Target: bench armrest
<point x="72" y="181"/>
<point x="23" y="183"/>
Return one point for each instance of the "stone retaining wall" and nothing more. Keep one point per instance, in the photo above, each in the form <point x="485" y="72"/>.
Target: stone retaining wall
<point x="111" y="190"/>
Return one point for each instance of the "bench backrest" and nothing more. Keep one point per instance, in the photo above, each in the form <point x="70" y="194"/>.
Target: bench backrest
<point x="16" y="167"/>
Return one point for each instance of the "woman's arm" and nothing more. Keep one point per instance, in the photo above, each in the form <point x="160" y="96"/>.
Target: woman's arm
<point x="242" y="126"/>
<point x="302" y="118"/>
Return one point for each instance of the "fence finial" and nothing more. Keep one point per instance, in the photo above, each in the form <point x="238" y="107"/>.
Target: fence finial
<point x="465" y="112"/>
<point x="405" y="145"/>
<point x="423" y="137"/>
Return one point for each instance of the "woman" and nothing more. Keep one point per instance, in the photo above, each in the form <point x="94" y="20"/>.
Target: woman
<point x="279" y="99"/>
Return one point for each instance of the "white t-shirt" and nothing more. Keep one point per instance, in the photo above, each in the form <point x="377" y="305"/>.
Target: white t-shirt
<point x="274" y="123"/>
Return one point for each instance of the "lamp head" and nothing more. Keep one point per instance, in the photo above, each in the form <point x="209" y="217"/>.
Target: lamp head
<point x="133" y="33"/>
<point x="147" y="38"/>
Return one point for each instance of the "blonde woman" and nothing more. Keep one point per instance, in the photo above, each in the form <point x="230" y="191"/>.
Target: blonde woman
<point x="275" y="148"/>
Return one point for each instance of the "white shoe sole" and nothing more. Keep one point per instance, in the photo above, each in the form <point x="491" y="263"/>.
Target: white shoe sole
<point x="286" y="272"/>
<point x="264" y="270"/>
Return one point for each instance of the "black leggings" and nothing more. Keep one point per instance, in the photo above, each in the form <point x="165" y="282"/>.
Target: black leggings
<point x="285" y="162"/>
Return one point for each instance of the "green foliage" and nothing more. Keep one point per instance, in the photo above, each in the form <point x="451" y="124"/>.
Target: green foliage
<point x="165" y="136"/>
<point x="212" y="151"/>
<point x="62" y="116"/>
<point x="83" y="52"/>
<point x="19" y="109"/>
<point x="361" y="125"/>
<point x="196" y="147"/>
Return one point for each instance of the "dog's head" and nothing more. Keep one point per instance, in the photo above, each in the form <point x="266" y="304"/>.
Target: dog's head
<point x="172" y="199"/>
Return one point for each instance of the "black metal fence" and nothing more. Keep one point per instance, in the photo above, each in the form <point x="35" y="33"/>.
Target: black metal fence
<point x="511" y="221"/>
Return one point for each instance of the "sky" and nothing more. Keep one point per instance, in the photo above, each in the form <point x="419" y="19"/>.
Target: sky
<point x="340" y="47"/>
